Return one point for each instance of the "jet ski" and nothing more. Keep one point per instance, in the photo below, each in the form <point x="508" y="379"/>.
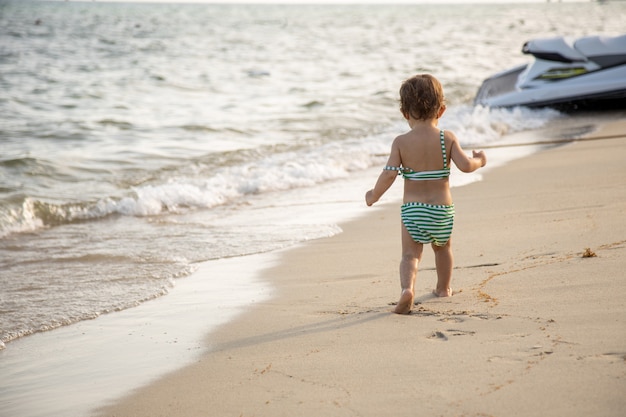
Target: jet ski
<point x="568" y="74"/>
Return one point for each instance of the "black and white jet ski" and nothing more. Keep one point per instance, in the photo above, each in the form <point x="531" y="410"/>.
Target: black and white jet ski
<point x="588" y="72"/>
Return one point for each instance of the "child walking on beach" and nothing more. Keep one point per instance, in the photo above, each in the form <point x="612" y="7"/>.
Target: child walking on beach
<point x="422" y="156"/>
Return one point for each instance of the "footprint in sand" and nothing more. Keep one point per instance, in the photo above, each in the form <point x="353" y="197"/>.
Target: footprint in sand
<point x="612" y="357"/>
<point x="438" y="336"/>
<point x="462" y="332"/>
<point x="452" y="319"/>
<point x="441" y="336"/>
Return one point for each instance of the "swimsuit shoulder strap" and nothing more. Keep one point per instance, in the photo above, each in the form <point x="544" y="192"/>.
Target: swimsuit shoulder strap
<point x="443" y="148"/>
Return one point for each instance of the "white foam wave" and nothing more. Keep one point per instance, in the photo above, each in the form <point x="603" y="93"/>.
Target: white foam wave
<point x="276" y="172"/>
<point x="311" y="166"/>
<point x="19" y="219"/>
<point x="482" y="125"/>
<point x="267" y="173"/>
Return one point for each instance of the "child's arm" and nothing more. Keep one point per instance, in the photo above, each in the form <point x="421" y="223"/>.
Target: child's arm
<point x="386" y="178"/>
<point x="464" y="162"/>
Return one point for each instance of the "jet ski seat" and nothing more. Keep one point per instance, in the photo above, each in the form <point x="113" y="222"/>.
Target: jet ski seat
<point x="559" y="49"/>
<point x="605" y="51"/>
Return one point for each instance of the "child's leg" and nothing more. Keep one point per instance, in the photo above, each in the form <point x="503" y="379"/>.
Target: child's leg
<point x="411" y="256"/>
<point x="444" y="262"/>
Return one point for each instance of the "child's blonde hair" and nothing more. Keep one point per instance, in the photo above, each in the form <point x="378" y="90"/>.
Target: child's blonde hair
<point x="421" y="97"/>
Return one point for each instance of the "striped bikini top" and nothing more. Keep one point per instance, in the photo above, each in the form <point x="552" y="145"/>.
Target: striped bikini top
<point x="438" y="174"/>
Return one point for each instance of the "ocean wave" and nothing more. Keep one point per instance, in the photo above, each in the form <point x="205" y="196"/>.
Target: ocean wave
<point x="204" y="186"/>
<point x="116" y="123"/>
<point x="478" y="125"/>
<point x="227" y="177"/>
<point x="19" y="219"/>
<point x="17" y="329"/>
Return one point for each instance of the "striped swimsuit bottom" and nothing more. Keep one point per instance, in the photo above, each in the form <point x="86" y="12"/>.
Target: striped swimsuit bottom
<point x="427" y="223"/>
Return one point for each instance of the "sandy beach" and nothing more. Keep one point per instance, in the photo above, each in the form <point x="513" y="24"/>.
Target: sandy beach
<point x="536" y="327"/>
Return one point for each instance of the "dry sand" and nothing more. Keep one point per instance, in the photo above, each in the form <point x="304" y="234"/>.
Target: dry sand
<point x="535" y="328"/>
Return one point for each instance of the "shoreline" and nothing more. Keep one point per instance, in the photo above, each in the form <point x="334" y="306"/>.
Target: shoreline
<point x="65" y="371"/>
<point x="326" y="342"/>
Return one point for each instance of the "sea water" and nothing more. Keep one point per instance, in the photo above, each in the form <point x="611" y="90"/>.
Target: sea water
<point x="138" y="141"/>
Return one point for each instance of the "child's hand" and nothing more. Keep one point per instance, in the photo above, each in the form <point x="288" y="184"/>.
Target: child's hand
<point x="480" y="155"/>
<point x="369" y="198"/>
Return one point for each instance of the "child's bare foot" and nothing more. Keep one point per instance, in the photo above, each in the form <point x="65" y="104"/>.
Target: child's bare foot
<point x="443" y="293"/>
<point x="405" y="303"/>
